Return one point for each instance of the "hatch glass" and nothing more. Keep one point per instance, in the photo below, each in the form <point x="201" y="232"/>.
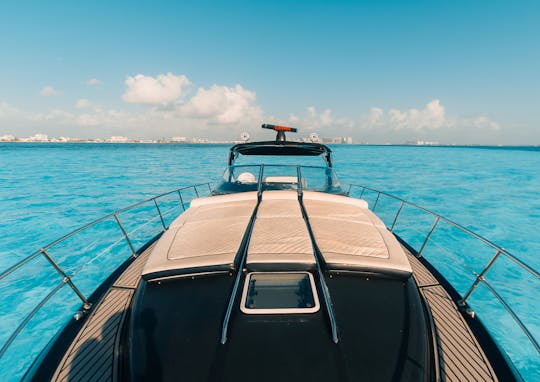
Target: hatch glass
<point x="279" y="293"/>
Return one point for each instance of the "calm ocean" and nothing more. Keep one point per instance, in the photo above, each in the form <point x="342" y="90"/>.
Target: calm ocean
<point x="47" y="190"/>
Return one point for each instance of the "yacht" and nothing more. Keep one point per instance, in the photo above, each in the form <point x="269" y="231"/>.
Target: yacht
<point x="278" y="274"/>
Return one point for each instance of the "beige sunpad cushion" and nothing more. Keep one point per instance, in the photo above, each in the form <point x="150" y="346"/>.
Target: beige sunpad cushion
<point x="351" y="237"/>
<point x="207" y="235"/>
<point x="280" y="239"/>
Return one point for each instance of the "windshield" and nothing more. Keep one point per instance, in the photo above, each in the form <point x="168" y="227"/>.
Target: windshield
<point x="243" y="178"/>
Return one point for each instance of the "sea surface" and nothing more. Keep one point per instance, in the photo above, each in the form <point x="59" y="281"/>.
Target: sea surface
<point x="48" y="190"/>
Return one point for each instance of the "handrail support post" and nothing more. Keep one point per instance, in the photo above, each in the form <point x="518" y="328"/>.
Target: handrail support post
<point x="160" y="216"/>
<point x="479" y="278"/>
<point x="133" y="252"/>
<point x="428" y="236"/>
<point x="376" y="201"/>
<point x="397" y="215"/>
<point x="362" y="193"/>
<point x="181" y="200"/>
<point x="67" y="279"/>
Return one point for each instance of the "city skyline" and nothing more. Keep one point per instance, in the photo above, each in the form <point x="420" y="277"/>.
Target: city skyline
<point x="387" y="72"/>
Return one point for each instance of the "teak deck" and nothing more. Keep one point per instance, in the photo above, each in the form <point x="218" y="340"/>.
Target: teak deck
<point x="94" y="354"/>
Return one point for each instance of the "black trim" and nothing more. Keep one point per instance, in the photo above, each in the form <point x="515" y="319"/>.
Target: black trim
<point x="280" y="148"/>
<point x="434" y="361"/>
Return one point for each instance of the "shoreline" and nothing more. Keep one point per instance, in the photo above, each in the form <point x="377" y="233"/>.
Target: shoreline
<point x="92" y="142"/>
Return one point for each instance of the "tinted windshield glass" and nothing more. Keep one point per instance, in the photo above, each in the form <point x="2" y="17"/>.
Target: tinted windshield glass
<point x="245" y="178"/>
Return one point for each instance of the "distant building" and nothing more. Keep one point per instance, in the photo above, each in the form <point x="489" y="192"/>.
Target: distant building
<point x="7" y="138"/>
<point x="60" y="139"/>
<point x="38" y="138"/>
<point x="335" y="140"/>
<point x="179" y="139"/>
<point x="118" y="139"/>
<point x="422" y="143"/>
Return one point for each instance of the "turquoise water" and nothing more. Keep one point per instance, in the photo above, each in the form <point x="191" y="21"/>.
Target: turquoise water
<point x="47" y="190"/>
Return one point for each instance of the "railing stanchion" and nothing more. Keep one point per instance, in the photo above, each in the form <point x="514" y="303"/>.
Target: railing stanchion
<point x="349" y="190"/>
<point x="428" y="236"/>
<point x="209" y="188"/>
<point x="196" y="192"/>
<point x="510" y="311"/>
<point x="299" y="181"/>
<point x="134" y="253"/>
<point x="397" y="215"/>
<point x="181" y="200"/>
<point x="362" y="193"/>
<point x="160" y="216"/>
<point x="67" y="279"/>
<point x="479" y="278"/>
<point x="259" y="183"/>
<point x="376" y="201"/>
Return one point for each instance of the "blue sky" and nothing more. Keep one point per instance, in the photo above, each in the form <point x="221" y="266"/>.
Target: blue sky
<point x="380" y="71"/>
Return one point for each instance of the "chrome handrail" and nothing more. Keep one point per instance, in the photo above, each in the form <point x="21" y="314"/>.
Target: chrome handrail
<point x="66" y="278"/>
<point x="479" y="276"/>
<point x="457" y="225"/>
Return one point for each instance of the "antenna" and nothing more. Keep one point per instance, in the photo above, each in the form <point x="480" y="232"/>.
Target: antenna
<point x="280" y="137"/>
<point x="244" y="136"/>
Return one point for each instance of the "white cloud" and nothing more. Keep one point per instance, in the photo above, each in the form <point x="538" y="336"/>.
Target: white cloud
<point x="313" y="120"/>
<point x="171" y="113"/>
<point x="163" y="89"/>
<point x="432" y="116"/>
<point x="481" y="122"/>
<point x="48" y="91"/>
<point x="83" y="103"/>
<point x="93" y="82"/>
<point x="7" y="110"/>
<point x="55" y="115"/>
<point x="375" y="116"/>
<point x="105" y="118"/>
<point x="222" y="104"/>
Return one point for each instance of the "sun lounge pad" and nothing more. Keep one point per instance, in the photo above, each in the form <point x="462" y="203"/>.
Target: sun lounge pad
<point x="351" y="237"/>
<point x="280" y="239"/>
<point x="205" y="237"/>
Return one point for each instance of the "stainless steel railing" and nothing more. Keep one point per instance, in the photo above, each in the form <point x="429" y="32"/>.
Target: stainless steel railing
<point x="66" y="278"/>
<point x="479" y="277"/>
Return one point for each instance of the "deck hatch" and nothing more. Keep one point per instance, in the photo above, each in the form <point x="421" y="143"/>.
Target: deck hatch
<point x="279" y="293"/>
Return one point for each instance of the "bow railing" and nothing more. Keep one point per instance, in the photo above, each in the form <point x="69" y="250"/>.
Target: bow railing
<point x="36" y="305"/>
<point x="34" y="302"/>
<point x="484" y="275"/>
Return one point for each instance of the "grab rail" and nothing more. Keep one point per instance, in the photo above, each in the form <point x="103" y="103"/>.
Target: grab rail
<point x="479" y="275"/>
<point x="67" y="278"/>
